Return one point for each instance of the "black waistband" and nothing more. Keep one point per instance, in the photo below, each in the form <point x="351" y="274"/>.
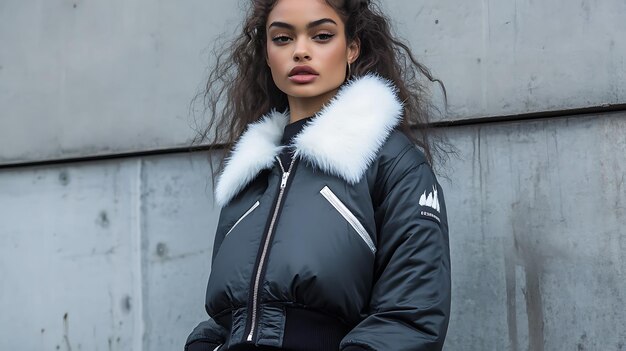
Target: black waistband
<point x="305" y="330"/>
<point x="311" y="330"/>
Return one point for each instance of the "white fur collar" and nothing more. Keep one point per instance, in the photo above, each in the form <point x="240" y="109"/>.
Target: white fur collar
<point x="342" y="139"/>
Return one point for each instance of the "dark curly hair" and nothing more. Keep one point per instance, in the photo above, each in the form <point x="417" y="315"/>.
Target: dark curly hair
<point x="240" y="88"/>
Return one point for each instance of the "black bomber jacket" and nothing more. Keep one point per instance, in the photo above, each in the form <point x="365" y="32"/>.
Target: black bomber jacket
<point x="349" y="241"/>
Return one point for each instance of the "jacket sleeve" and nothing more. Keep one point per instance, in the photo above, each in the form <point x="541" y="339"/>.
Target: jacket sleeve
<point x="208" y="335"/>
<point x="409" y="305"/>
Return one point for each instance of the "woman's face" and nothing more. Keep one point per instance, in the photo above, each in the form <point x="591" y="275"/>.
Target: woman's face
<point x="307" y="33"/>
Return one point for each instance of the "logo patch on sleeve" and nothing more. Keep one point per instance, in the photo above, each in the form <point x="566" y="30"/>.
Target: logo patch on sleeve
<point x="430" y="202"/>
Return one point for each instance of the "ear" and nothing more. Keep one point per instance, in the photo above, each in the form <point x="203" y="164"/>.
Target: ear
<point x="353" y="50"/>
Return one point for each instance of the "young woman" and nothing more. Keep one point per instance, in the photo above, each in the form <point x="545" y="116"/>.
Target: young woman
<point x="332" y="233"/>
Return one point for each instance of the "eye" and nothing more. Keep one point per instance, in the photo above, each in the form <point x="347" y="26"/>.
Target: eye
<point x="324" y="36"/>
<point x="280" y="39"/>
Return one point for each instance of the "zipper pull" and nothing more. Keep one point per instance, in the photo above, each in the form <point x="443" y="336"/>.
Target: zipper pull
<point x="284" y="180"/>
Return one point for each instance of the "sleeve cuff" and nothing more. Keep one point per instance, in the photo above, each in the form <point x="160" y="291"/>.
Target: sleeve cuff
<point x="201" y="346"/>
<point x="354" y="348"/>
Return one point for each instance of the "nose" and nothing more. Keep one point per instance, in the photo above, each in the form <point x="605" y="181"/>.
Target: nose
<point x="301" y="51"/>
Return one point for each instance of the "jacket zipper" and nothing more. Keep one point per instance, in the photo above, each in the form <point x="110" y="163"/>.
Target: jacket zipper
<point x="348" y="216"/>
<point x="268" y="238"/>
<point x="243" y="216"/>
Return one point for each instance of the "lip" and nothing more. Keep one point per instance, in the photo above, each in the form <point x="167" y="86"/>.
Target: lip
<point x="303" y="78"/>
<point x="306" y="70"/>
<point x="302" y="74"/>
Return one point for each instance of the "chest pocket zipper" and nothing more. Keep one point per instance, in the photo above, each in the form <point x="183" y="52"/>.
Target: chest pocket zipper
<point x="256" y="204"/>
<point x="349" y="216"/>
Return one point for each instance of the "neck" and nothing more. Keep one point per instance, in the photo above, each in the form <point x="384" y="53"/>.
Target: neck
<point x="302" y="107"/>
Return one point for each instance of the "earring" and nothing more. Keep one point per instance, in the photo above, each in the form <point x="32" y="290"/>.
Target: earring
<point x="349" y="72"/>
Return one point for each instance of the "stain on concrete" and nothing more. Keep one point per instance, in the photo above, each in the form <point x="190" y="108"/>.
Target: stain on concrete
<point x="66" y="332"/>
<point x="533" y="84"/>
<point x="168" y="190"/>
<point x="161" y="250"/>
<point x="534" y="305"/>
<point x="126" y="304"/>
<point x="581" y="344"/>
<point x="103" y="219"/>
<point x="526" y="231"/>
<point x="167" y="257"/>
<point x="64" y="178"/>
<point x="586" y="10"/>
<point x="511" y="310"/>
<point x="94" y="252"/>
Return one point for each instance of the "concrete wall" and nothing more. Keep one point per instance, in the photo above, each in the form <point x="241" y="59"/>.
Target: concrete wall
<point x="114" y="254"/>
<point x="89" y="78"/>
<point x="109" y="255"/>
<point x="117" y="252"/>
<point x="538" y="235"/>
<point x="519" y="56"/>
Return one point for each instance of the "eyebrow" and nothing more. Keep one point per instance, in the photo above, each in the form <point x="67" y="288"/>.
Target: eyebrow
<point x="308" y="26"/>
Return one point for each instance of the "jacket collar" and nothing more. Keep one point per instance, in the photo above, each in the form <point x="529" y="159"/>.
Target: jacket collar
<point x="342" y="139"/>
